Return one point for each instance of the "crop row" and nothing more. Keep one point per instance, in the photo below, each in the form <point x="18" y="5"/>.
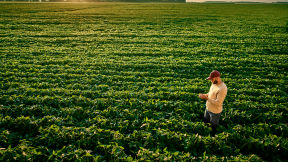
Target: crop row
<point x="96" y="140"/>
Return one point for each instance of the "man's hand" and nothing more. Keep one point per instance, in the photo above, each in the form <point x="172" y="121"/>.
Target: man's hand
<point x="203" y="96"/>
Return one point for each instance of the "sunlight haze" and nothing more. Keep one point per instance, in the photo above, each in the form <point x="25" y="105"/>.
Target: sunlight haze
<point x="263" y="1"/>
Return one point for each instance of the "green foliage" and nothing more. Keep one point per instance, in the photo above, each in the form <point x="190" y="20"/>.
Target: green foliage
<point x="120" y="81"/>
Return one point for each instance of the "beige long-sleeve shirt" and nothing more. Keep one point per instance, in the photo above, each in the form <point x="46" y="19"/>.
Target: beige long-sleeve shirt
<point x="216" y="96"/>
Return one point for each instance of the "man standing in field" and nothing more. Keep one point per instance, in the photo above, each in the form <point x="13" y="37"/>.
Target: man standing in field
<point x="214" y="100"/>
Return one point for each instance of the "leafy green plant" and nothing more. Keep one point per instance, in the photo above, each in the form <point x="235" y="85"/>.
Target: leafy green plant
<point x="120" y="81"/>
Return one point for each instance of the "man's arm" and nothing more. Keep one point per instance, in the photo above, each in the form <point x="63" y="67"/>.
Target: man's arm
<point x="220" y="97"/>
<point x="203" y="96"/>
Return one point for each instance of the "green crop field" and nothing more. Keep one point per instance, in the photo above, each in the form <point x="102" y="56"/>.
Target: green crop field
<point x="120" y="81"/>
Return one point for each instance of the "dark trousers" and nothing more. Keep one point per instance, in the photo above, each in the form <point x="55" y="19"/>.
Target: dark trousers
<point x="213" y="119"/>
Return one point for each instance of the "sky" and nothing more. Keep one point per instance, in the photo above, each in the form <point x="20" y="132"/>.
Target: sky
<point x="266" y="1"/>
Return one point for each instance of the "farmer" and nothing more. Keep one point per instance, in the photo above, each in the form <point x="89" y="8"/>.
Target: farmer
<point x="214" y="100"/>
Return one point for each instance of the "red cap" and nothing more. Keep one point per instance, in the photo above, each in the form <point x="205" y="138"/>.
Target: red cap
<point x="213" y="74"/>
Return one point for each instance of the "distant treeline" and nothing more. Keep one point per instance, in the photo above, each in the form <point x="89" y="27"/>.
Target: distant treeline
<point x="181" y="1"/>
